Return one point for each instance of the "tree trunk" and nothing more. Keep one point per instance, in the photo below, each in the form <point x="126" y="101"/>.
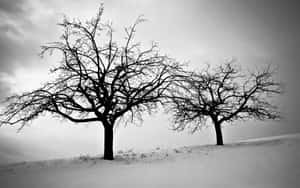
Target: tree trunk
<point x="108" y="143"/>
<point x="219" y="136"/>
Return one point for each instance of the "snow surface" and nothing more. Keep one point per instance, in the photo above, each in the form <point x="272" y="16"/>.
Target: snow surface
<point x="267" y="162"/>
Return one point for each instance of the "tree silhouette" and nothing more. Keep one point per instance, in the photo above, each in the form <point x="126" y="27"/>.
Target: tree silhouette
<point x="97" y="79"/>
<point x="223" y="94"/>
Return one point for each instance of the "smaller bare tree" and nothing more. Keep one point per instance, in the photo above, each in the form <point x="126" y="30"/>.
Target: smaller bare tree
<point x="224" y="94"/>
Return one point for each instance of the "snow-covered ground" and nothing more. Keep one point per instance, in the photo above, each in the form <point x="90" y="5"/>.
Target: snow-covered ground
<point x="269" y="162"/>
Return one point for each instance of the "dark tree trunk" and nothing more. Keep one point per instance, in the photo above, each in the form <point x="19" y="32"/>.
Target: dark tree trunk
<point x="219" y="136"/>
<point x="108" y="143"/>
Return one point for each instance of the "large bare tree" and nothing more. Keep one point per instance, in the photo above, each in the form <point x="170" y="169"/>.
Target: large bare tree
<point x="224" y="94"/>
<point x="97" y="79"/>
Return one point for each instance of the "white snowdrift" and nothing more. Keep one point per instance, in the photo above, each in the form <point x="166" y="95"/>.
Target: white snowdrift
<point x="270" y="162"/>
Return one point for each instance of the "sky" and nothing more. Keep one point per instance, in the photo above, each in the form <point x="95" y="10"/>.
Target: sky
<point x="256" y="33"/>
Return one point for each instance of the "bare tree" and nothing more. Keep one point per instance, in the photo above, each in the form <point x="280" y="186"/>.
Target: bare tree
<point x="224" y="94"/>
<point x="97" y="79"/>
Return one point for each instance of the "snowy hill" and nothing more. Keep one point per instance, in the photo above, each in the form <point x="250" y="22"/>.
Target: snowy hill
<point x="268" y="162"/>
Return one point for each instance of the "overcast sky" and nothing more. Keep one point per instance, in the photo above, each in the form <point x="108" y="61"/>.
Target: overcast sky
<point x="255" y="32"/>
